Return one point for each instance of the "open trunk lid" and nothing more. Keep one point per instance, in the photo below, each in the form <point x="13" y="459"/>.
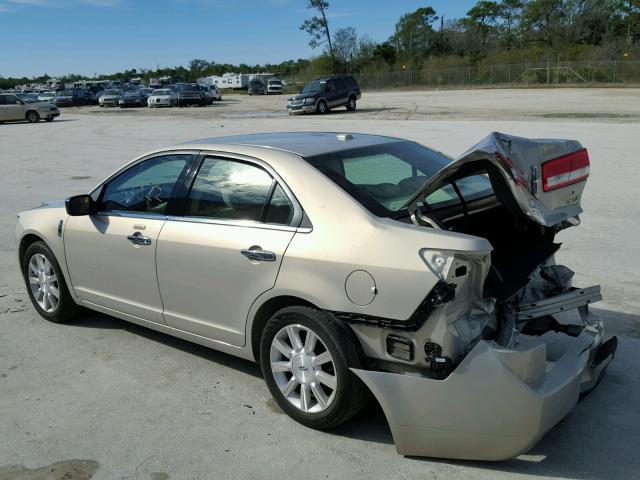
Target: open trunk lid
<point x="545" y="177"/>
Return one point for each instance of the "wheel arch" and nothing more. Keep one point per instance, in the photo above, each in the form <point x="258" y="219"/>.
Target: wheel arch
<point x="264" y="313"/>
<point x="26" y="241"/>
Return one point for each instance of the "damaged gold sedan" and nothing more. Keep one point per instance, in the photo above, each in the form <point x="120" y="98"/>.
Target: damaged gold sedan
<point x="348" y="265"/>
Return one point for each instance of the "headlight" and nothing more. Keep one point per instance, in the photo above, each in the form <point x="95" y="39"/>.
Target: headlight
<point x="310" y="100"/>
<point x="438" y="261"/>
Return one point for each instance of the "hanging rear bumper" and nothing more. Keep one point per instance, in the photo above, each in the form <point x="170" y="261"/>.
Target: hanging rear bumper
<point x="497" y="403"/>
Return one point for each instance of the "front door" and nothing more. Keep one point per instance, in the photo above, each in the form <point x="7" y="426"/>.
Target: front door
<point x="226" y="251"/>
<point x="111" y="254"/>
<point x="14" y="108"/>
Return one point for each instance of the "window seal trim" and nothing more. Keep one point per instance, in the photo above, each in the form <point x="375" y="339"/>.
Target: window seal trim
<point x="296" y="220"/>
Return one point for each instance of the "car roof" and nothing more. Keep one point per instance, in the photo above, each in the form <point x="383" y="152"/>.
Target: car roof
<point x="304" y="144"/>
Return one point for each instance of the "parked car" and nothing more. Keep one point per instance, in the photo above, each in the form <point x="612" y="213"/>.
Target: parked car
<point x="46" y="96"/>
<point x="12" y="108"/>
<point x="110" y="98"/>
<point x="346" y="264"/>
<point x="256" y="87"/>
<point x="93" y="94"/>
<point x="215" y="92"/>
<point x="132" y="98"/>
<point x="206" y="94"/>
<point x="146" y="93"/>
<point x="274" y="86"/>
<point x="70" y="98"/>
<point x="320" y="96"/>
<point x="187" y="95"/>
<point x="162" y="97"/>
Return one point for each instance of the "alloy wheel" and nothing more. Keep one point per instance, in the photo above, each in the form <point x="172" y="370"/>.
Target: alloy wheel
<point x="303" y="368"/>
<point x="44" y="283"/>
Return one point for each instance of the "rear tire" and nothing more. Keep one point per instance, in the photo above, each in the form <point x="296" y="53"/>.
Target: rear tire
<point x="351" y="104"/>
<point x="46" y="285"/>
<point x="33" y="116"/>
<point x="313" y="384"/>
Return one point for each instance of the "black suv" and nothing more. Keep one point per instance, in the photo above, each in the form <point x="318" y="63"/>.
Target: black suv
<point x="322" y="95"/>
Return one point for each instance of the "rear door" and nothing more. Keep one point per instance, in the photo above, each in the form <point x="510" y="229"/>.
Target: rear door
<point x="545" y="176"/>
<point x="226" y="250"/>
<point x="342" y="91"/>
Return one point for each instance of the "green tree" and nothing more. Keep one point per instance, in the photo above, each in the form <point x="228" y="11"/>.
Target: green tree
<point x="414" y="34"/>
<point x="483" y="17"/>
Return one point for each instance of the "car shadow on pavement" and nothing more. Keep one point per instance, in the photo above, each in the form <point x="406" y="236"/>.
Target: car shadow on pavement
<point x="106" y="322"/>
<point x="598" y="440"/>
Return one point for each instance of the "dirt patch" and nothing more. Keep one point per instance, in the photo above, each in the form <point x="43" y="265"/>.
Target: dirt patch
<point x="65" y="470"/>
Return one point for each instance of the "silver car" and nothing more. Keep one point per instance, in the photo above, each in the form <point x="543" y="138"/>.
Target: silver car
<point x="13" y="108"/>
<point x="347" y="265"/>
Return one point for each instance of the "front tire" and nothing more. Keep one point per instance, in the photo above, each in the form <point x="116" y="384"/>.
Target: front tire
<point x="322" y="107"/>
<point x="305" y="356"/>
<point x="33" y="116"/>
<point x="46" y="286"/>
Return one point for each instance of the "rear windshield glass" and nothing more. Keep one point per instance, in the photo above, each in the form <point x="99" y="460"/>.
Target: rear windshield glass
<point x="384" y="177"/>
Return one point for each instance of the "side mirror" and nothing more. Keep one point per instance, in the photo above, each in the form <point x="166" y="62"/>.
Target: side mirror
<point x="19" y="102"/>
<point x="79" y="205"/>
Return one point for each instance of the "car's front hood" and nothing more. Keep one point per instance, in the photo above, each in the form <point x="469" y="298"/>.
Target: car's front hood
<point x="519" y="161"/>
<point x="302" y="96"/>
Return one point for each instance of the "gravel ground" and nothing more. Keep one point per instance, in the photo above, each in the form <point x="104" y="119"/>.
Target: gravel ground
<point x="104" y="399"/>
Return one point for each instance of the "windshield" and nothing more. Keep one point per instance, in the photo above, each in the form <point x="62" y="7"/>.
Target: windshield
<point x="131" y="93"/>
<point x="275" y="82"/>
<point x="383" y="177"/>
<point x="314" y="87"/>
<point x="112" y="92"/>
<point x="163" y="91"/>
<point x="64" y="93"/>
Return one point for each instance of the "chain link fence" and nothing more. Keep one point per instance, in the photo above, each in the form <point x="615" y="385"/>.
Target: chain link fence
<point x="541" y="74"/>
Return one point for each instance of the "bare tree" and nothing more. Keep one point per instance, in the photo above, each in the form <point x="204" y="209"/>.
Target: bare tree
<point x="318" y="27"/>
<point x="345" y="44"/>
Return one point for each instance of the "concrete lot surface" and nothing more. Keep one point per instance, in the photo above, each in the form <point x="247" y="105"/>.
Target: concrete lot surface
<point x="104" y="399"/>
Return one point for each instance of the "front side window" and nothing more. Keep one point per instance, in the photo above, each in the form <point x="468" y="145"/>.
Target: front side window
<point x="229" y="190"/>
<point x="146" y="187"/>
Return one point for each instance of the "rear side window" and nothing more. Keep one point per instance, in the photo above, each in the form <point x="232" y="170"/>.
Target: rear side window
<point x="352" y="83"/>
<point x="229" y="190"/>
<point x="280" y="210"/>
<point x="340" y="84"/>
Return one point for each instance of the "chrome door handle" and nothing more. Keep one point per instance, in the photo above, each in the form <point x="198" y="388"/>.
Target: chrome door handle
<point x="138" y="239"/>
<point x="258" y="255"/>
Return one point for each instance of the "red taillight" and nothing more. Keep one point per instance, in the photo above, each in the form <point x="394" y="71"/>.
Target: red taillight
<point x="565" y="170"/>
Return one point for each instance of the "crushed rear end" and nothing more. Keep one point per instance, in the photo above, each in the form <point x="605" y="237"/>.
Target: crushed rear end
<point x="508" y="344"/>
